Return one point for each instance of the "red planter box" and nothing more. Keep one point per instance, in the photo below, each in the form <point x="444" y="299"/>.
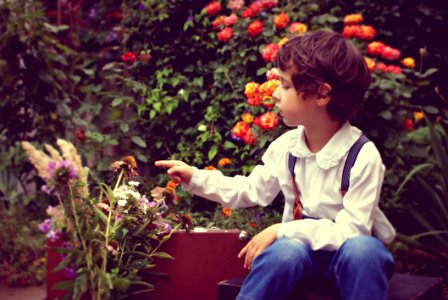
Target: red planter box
<point x="202" y="259"/>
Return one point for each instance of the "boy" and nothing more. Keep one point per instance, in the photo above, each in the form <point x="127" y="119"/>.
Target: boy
<point x="326" y="237"/>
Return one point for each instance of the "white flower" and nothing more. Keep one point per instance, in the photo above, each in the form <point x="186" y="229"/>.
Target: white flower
<point x="134" y="183"/>
<point x="122" y="202"/>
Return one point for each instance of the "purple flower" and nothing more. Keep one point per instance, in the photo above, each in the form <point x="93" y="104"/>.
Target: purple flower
<point x="45" y="226"/>
<point x="141" y="6"/>
<point x="53" y="235"/>
<point x="46" y="189"/>
<point x="152" y="204"/>
<point x="165" y="227"/>
<point x="70" y="273"/>
<point x="119" y="217"/>
<point x="110" y="37"/>
<point x="51" y="166"/>
<point x="62" y="171"/>
<point x="92" y="12"/>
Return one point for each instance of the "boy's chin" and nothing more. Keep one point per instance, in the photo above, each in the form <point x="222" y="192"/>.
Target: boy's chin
<point x="288" y="123"/>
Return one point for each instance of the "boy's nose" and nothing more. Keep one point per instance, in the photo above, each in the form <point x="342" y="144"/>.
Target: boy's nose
<point x="276" y="95"/>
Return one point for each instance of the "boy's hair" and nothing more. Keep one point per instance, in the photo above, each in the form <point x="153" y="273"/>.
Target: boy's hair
<point x="327" y="57"/>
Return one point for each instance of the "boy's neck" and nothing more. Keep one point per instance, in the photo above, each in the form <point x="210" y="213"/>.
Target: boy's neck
<point x="316" y="137"/>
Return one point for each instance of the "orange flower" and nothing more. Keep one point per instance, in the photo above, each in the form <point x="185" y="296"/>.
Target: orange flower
<point x="408" y="62"/>
<point x="418" y="115"/>
<point x="353" y="19"/>
<point x="370" y="63"/>
<point x="224" y="162"/>
<point x="268" y="120"/>
<point x="226" y="212"/>
<point x="282" y="41"/>
<point x="375" y="48"/>
<point x="251" y="89"/>
<point x="269" y="87"/>
<point x="171" y="184"/>
<point x="298" y="27"/>
<point x="367" y="33"/>
<point x="210" y="168"/>
<point x="281" y="21"/>
<point x="248" y="118"/>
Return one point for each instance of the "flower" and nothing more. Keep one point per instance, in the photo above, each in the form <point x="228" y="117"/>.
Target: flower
<point x="61" y="172"/>
<point x="370" y="63"/>
<point x="390" y="53"/>
<point x="230" y="20"/>
<point x="353" y="19"/>
<point x="269" y="52"/>
<point x="213" y="8"/>
<point x="126" y="164"/>
<point x="251" y="89"/>
<point x="235" y="4"/>
<point x="268" y="4"/>
<point x="225" y="34"/>
<point x="408" y="124"/>
<point x="218" y="22"/>
<point x="282" y="41"/>
<point x="272" y="74"/>
<point x="80" y="135"/>
<point x="255" y="28"/>
<point x="418" y="115"/>
<point x="224" y="162"/>
<point x="240" y="129"/>
<point x="45" y="226"/>
<point x="375" y="48"/>
<point x="267" y="121"/>
<point x="281" y="21"/>
<point x="226" y="212"/>
<point x="122" y="202"/>
<point x="247" y="117"/>
<point x="144" y="57"/>
<point x="269" y="87"/>
<point x="211" y="168"/>
<point x="253" y="10"/>
<point x="128" y="57"/>
<point x="408" y="62"/>
<point x="249" y="137"/>
<point x="361" y="32"/>
<point x="298" y="28"/>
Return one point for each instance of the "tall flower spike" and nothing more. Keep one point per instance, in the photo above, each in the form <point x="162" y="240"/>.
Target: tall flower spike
<point x="38" y="159"/>
<point x="53" y="152"/>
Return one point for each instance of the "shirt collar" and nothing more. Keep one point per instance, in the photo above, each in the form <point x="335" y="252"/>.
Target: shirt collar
<point x="332" y="152"/>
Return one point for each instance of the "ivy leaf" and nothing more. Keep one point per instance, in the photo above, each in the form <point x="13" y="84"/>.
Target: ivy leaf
<point x="139" y="141"/>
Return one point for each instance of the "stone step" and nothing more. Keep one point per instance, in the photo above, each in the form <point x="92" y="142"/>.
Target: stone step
<point x="401" y="287"/>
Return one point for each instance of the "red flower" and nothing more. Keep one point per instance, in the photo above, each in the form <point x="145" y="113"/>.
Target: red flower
<point x="269" y="52"/>
<point x="255" y="28"/>
<point x="253" y="10"/>
<point x="249" y="137"/>
<point x="253" y="225"/>
<point x="128" y="57"/>
<point x="255" y="100"/>
<point x="381" y="66"/>
<point x="390" y="53"/>
<point x="80" y="135"/>
<point x="268" y="4"/>
<point x="408" y="124"/>
<point x="361" y="32"/>
<point x="240" y="129"/>
<point x="281" y="21"/>
<point x="393" y="69"/>
<point x="213" y="8"/>
<point x="225" y="34"/>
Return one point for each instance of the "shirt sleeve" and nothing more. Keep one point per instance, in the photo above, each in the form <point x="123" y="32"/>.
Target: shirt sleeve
<point x="356" y="216"/>
<point x="259" y="188"/>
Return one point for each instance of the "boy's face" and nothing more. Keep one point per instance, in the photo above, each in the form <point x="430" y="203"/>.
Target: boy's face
<point x="294" y="108"/>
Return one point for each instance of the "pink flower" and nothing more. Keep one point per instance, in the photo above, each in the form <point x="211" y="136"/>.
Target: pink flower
<point x="269" y="52"/>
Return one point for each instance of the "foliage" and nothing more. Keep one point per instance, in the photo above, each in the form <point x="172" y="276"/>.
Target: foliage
<point x="108" y="238"/>
<point x="22" y="259"/>
<point x="431" y="178"/>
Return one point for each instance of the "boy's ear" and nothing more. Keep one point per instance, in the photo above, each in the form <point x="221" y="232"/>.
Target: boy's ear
<point x="323" y="95"/>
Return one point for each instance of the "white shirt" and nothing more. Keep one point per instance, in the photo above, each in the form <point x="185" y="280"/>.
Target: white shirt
<point x="318" y="177"/>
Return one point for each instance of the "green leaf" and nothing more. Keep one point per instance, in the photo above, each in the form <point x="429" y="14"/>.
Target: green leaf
<point x="66" y="285"/>
<point x="162" y="255"/>
<point x="139" y="141"/>
<point x="80" y="285"/>
<point x="121" y="284"/>
<point x="100" y="215"/>
<point x="117" y="101"/>
<point x="212" y="152"/>
<point x="124" y="127"/>
<point x="410" y="175"/>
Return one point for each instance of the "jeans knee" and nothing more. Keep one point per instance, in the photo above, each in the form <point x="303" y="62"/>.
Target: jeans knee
<point x="284" y="254"/>
<point x="366" y="250"/>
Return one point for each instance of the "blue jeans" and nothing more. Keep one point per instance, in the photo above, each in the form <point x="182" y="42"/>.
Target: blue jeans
<point x="359" y="269"/>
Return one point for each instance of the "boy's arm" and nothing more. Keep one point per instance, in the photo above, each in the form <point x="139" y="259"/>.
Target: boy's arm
<point x="359" y="206"/>
<point x="178" y="171"/>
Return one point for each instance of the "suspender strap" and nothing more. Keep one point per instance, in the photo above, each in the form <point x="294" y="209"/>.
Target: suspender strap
<point x="297" y="209"/>
<point x="345" y="184"/>
<point x="350" y="161"/>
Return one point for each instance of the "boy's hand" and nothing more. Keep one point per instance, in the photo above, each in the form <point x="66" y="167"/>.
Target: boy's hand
<point x="257" y="245"/>
<point x="178" y="171"/>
